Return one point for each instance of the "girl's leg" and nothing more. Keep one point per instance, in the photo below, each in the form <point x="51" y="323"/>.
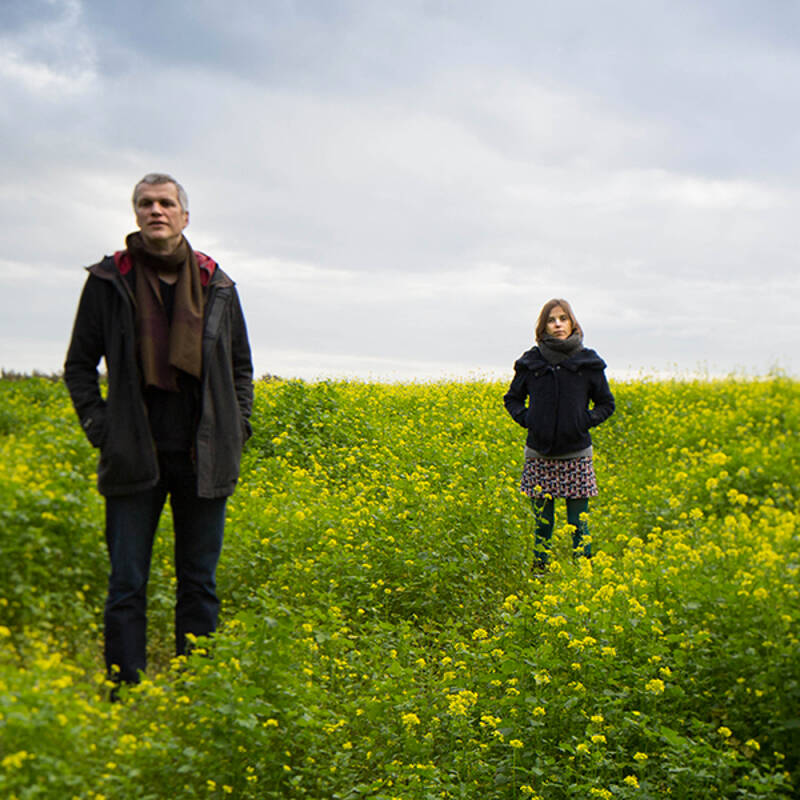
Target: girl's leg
<point x="580" y="527"/>
<point x="543" y="509"/>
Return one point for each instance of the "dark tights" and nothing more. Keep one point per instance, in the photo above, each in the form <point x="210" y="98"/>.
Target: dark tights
<point x="544" y="510"/>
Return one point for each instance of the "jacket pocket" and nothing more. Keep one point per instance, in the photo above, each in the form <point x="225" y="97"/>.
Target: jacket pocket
<point x="95" y="426"/>
<point x="125" y="463"/>
<point x="576" y="425"/>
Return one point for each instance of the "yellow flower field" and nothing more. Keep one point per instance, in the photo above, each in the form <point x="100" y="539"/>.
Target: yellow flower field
<point x="383" y="635"/>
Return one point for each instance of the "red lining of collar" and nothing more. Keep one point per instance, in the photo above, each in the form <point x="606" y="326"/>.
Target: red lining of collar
<point x="207" y="264"/>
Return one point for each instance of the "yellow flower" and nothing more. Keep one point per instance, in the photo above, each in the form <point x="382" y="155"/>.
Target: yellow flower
<point x="510" y="602"/>
<point x="753" y="744"/>
<point x="461" y="702"/>
<point x="631" y="780"/>
<point x="656" y="686"/>
<point x="15" y="760"/>
<point x="640" y="757"/>
<point x="516" y="744"/>
<point x="724" y="732"/>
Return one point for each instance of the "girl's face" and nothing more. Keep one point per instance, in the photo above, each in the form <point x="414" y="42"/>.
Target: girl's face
<point x="559" y="323"/>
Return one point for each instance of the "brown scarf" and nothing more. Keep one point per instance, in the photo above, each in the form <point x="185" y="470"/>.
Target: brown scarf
<point x="165" y="347"/>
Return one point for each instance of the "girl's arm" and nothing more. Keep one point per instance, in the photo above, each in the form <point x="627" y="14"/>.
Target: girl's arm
<point x="603" y="400"/>
<point x="516" y="396"/>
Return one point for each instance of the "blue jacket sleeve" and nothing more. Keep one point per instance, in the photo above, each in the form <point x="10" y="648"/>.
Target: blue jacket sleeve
<point x="602" y="400"/>
<point x="517" y="395"/>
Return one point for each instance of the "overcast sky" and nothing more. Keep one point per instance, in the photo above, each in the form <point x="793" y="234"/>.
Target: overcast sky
<point x="397" y="187"/>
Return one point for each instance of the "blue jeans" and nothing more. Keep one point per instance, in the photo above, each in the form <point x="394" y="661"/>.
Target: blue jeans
<point x="544" y="510"/>
<point x="131" y="522"/>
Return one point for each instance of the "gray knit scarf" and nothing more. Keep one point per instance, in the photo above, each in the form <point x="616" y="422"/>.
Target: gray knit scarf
<point x="557" y="350"/>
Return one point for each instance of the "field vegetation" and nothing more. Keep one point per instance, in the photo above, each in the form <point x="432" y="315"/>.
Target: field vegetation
<point x="382" y="634"/>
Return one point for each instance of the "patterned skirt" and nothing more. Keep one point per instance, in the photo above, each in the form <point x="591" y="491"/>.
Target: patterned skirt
<point x="559" y="477"/>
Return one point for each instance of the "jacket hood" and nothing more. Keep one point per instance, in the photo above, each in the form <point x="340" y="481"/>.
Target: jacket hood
<point x="586" y="358"/>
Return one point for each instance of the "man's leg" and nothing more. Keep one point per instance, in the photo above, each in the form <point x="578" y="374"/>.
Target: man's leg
<point x="131" y="522"/>
<point x="199" y="527"/>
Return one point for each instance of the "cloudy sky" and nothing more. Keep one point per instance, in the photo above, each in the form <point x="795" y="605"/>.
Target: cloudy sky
<point x="397" y="187"/>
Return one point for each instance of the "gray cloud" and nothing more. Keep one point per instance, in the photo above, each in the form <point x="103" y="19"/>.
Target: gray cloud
<point x="398" y="188"/>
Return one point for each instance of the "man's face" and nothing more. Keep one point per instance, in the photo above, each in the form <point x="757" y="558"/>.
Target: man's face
<point x="160" y="217"/>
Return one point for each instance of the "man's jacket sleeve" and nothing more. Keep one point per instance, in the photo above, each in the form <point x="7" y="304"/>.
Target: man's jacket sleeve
<point x="86" y="348"/>
<point x="242" y="366"/>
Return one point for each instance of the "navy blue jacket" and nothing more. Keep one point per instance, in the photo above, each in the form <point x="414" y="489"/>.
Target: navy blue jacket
<point x="557" y="415"/>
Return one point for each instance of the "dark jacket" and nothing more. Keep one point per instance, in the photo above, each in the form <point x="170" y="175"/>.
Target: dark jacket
<point x="105" y="327"/>
<point x="558" y="416"/>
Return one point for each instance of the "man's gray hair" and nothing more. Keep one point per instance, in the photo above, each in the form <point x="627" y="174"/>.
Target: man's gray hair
<point x="156" y="178"/>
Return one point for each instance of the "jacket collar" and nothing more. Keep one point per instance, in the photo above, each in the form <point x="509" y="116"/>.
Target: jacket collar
<point x="206" y="264"/>
<point x="583" y="359"/>
<point x="120" y="264"/>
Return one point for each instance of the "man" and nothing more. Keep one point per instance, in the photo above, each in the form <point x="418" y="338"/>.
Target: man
<point x="168" y="322"/>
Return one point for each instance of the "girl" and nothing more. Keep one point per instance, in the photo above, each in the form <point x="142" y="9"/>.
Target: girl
<point x="558" y="378"/>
